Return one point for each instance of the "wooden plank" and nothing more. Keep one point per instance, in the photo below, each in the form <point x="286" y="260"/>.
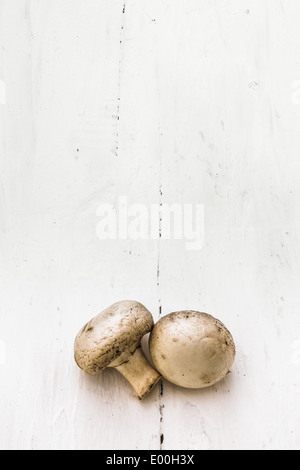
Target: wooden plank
<point x="227" y="117"/>
<point x="64" y="76"/>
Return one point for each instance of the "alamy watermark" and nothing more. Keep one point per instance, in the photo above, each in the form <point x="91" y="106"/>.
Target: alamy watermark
<point x="138" y="221"/>
<point x="2" y="92"/>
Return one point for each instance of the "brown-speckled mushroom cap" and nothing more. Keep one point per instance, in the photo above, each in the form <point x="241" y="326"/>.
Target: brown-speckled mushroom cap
<point x="114" y="333"/>
<point x="191" y="349"/>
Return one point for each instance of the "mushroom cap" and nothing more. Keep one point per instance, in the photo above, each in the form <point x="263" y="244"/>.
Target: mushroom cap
<point x="114" y="333"/>
<point x="191" y="349"/>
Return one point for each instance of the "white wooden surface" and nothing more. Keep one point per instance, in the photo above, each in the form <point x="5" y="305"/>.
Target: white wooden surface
<point x="162" y="102"/>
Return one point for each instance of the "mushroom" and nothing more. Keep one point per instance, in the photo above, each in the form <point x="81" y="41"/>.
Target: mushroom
<point x="191" y="349"/>
<point x="113" y="339"/>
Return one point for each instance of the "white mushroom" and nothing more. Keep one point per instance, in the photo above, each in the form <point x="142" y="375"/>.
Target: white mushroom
<point x="113" y="339"/>
<point x="191" y="349"/>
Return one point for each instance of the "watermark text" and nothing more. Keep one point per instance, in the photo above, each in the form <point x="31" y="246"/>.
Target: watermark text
<point x="138" y="221"/>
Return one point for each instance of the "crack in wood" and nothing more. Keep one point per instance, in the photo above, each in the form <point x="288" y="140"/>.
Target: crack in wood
<point x="119" y="77"/>
<point x="161" y="392"/>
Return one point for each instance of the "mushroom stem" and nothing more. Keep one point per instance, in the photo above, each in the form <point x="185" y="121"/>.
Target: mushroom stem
<point x="139" y="373"/>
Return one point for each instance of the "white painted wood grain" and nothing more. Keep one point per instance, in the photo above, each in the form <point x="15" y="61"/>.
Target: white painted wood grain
<point x="161" y="102"/>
